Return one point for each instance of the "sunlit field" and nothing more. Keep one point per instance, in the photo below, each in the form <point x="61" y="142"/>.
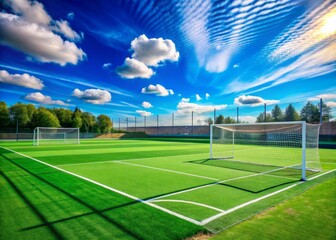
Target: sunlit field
<point x="138" y="189"/>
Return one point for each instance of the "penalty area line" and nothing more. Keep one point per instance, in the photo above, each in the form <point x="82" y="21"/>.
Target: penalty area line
<point x="110" y="188"/>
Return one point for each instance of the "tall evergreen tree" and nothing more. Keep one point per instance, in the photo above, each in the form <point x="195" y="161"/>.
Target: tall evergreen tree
<point x="219" y="119"/>
<point x="277" y="114"/>
<point x="291" y="114"/>
<point x="310" y="113"/>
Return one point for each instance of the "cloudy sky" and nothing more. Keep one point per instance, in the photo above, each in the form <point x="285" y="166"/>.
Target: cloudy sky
<point x="132" y="58"/>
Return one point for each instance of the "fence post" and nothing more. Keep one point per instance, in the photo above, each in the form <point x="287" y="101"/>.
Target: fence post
<point x="127" y="124"/>
<point x="173" y="128"/>
<point x="135" y="124"/>
<point x="192" y="122"/>
<point x="237" y="114"/>
<point x="119" y="124"/>
<point x="265" y="112"/>
<point x="214" y="116"/>
<point x="321" y="114"/>
<point x="157" y="125"/>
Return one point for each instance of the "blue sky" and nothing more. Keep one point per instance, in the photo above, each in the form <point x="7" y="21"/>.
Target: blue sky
<point x="142" y="58"/>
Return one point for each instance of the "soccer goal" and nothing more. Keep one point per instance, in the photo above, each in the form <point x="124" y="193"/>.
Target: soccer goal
<point x="48" y="135"/>
<point x="267" y="147"/>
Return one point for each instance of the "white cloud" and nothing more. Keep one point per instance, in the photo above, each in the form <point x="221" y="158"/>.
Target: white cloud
<point x="158" y="90"/>
<point x="185" y="107"/>
<point x="32" y="31"/>
<point x="62" y="27"/>
<point x="185" y="99"/>
<point x="236" y="66"/>
<point x="24" y="80"/>
<point x="207" y="96"/>
<point x="37" y="41"/>
<point x="133" y="68"/>
<point x="107" y="66"/>
<point x="94" y="96"/>
<point x="331" y="104"/>
<point x="33" y="12"/>
<point x="252" y="100"/>
<point x="71" y="16"/>
<point x="146" y="104"/>
<point x="144" y="113"/>
<point x="154" y="50"/>
<point x="40" y="98"/>
<point x="323" y="96"/>
<point x="198" y="98"/>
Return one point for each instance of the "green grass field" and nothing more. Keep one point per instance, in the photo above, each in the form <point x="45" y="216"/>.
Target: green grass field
<point x="137" y="189"/>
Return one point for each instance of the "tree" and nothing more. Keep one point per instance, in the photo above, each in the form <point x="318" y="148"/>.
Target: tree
<point x="88" y="120"/>
<point x="219" y="119"/>
<point x="64" y="116"/>
<point x="310" y="113"/>
<point x="277" y="114"/>
<point x="209" y="121"/>
<point x="104" y="123"/>
<point x="4" y="115"/>
<point x="326" y="112"/>
<point x="229" y="120"/>
<point x="45" y="118"/>
<point x="291" y="114"/>
<point x="261" y="118"/>
<point x="77" y="118"/>
<point x="19" y="113"/>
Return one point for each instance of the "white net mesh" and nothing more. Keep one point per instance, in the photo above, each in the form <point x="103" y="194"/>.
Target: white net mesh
<point x="56" y="135"/>
<point x="276" y="144"/>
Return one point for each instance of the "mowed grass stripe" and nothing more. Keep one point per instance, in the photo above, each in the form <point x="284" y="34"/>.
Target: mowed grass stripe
<point x="78" y="151"/>
<point x="74" y="208"/>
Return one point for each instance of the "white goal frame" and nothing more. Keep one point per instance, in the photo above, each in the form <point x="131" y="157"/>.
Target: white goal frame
<point x="303" y="138"/>
<point x="37" y="135"/>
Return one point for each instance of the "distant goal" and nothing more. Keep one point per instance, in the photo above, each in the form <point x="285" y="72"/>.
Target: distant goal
<point x="48" y="135"/>
<point x="267" y="147"/>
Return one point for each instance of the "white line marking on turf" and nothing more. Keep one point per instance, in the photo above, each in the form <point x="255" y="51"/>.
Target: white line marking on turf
<point x="166" y="170"/>
<point x="190" y="202"/>
<point x="216" y="183"/>
<point x="210" y="219"/>
<point x="111" y="189"/>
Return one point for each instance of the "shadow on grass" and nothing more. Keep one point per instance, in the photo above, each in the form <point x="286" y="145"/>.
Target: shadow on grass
<point x="95" y="200"/>
<point x="49" y="224"/>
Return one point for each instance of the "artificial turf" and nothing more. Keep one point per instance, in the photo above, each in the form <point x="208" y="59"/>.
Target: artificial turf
<point x="54" y="204"/>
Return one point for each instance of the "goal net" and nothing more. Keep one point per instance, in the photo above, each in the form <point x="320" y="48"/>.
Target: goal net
<point x="288" y="148"/>
<point x="47" y="135"/>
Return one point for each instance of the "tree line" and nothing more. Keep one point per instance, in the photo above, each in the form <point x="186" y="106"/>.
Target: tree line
<point x="309" y="113"/>
<point x="28" y="116"/>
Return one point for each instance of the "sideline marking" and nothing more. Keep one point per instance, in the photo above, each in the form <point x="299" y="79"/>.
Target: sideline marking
<point x="110" y="188"/>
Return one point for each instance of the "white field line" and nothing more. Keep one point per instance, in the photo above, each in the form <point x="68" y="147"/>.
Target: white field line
<point x="167" y="170"/>
<point x="205" y="221"/>
<point x="212" y="184"/>
<point x="132" y="159"/>
<point x="111" y="189"/>
<point x="190" y="202"/>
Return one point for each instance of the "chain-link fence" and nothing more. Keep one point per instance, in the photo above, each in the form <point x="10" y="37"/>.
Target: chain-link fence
<point x="196" y="122"/>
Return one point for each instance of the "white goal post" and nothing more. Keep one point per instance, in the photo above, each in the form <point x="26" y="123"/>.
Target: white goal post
<point x="281" y="144"/>
<point x="49" y="135"/>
